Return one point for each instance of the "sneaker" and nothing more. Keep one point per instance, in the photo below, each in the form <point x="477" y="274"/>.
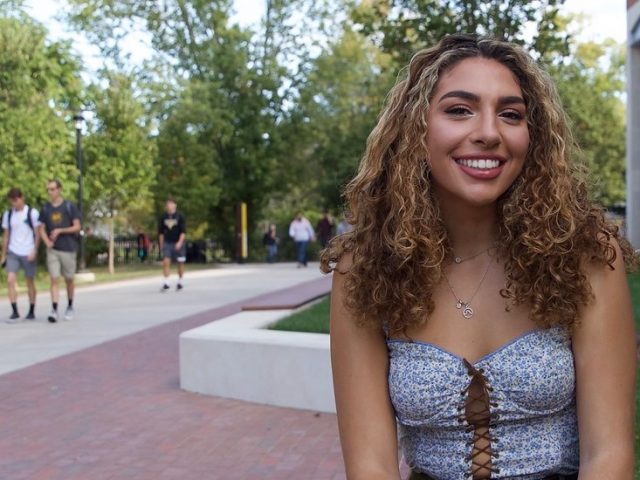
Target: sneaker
<point x="164" y="288"/>
<point x="68" y="313"/>
<point x="14" y="318"/>
<point x="53" y="316"/>
<point x="30" y="316"/>
<point x="179" y="287"/>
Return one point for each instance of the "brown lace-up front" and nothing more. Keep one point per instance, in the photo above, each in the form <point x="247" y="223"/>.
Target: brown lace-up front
<point x="477" y="412"/>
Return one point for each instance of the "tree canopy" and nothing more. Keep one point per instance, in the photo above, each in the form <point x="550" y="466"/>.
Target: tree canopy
<point x="275" y="115"/>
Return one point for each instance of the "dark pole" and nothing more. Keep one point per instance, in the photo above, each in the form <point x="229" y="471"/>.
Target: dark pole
<point x="78" y="121"/>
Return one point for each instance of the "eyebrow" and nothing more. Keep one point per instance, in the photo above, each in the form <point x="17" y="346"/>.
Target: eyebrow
<point x="508" y="100"/>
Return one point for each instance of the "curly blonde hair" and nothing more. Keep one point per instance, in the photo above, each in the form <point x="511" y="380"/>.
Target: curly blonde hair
<point x="548" y="227"/>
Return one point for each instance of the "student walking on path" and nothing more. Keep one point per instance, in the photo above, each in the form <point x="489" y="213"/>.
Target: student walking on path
<point x="20" y="249"/>
<point x="60" y="227"/>
<point x="302" y="233"/>
<point x="324" y="229"/>
<point x="271" y="241"/>
<point x="172" y="229"/>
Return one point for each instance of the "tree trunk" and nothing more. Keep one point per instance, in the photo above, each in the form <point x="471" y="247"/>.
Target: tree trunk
<point x="111" y="246"/>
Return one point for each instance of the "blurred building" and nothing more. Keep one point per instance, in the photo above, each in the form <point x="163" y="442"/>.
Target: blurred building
<point x="633" y="122"/>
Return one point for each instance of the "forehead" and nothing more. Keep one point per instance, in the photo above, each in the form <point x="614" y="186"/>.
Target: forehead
<point x="484" y="77"/>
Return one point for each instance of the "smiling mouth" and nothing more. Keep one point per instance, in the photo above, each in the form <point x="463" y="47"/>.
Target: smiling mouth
<point x="479" y="164"/>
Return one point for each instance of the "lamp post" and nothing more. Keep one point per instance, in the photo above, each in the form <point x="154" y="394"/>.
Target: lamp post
<point x="79" y="120"/>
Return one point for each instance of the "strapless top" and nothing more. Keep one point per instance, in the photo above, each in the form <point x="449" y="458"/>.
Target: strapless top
<point x="531" y="382"/>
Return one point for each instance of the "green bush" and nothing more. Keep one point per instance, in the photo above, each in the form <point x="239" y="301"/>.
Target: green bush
<point x="93" y="246"/>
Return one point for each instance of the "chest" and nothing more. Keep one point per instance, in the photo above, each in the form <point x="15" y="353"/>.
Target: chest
<point x="170" y="223"/>
<point x="19" y="221"/>
<point x="490" y="324"/>
<point x="532" y="375"/>
<point x="57" y="217"/>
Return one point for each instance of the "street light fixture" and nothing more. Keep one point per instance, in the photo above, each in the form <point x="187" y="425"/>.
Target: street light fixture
<point x="79" y="121"/>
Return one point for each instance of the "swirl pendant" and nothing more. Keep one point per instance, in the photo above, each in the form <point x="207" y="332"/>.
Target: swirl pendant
<point x="467" y="311"/>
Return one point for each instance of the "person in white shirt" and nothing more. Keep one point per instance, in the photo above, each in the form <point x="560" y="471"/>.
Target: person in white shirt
<point x="20" y="249"/>
<point x="302" y="233"/>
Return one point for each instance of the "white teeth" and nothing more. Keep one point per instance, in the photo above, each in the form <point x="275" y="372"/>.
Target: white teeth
<point x="483" y="164"/>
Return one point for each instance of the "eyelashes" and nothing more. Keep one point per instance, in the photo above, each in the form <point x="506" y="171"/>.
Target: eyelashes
<point x="459" y="111"/>
<point x="512" y="115"/>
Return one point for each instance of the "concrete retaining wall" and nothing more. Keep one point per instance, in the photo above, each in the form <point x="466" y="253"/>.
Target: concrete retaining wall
<point x="236" y="357"/>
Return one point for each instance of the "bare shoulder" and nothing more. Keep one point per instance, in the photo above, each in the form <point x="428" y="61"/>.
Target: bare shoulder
<point x="601" y="275"/>
<point x="344" y="264"/>
<point x="609" y="313"/>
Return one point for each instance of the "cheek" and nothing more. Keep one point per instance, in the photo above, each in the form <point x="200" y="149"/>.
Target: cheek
<point x="441" y="138"/>
<point x="520" y="143"/>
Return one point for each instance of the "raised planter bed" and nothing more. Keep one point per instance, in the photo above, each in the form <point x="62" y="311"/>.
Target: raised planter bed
<point x="237" y="357"/>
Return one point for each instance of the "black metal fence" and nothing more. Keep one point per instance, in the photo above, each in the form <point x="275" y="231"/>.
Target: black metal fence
<point x="130" y="250"/>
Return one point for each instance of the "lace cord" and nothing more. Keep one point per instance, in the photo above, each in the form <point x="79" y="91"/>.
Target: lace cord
<point x="480" y="421"/>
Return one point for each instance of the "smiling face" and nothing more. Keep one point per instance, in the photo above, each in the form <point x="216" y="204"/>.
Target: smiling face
<point x="478" y="136"/>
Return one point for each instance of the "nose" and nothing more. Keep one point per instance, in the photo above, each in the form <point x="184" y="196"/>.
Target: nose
<point x="486" y="133"/>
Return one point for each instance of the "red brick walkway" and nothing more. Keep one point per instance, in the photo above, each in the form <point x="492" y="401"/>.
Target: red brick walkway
<point x="115" y="411"/>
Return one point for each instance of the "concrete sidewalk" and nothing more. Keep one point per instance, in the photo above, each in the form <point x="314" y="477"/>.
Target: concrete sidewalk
<point x="108" y="311"/>
<point x="114" y="410"/>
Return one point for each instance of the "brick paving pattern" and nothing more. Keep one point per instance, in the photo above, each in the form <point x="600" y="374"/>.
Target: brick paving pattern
<point x="115" y="412"/>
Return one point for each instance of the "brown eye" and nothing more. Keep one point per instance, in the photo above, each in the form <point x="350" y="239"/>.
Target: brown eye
<point x="458" y="111"/>
<point x="512" y="115"/>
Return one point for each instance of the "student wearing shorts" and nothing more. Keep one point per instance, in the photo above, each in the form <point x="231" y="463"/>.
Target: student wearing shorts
<point x="20" y="250"/>
<point x="171" y="239"/>
<point x="60" y="227"/>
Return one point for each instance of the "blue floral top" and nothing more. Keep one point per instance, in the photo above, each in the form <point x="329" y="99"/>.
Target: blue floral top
<point x="532" y="383"/>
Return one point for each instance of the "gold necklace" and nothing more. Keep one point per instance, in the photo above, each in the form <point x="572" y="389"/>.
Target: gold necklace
<point x="459" y="260"/>
<point x="467" y="311"/>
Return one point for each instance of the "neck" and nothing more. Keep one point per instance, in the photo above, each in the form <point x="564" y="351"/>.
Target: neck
<point x="470" y="230"/>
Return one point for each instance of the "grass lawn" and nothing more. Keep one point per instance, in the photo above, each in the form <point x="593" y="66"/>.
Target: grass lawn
<point x="314" y="319"/>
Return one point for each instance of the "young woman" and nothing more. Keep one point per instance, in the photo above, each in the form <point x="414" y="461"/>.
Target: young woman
<point x="480" y="303"/>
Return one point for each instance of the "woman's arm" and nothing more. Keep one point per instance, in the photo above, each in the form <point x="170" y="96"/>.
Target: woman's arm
<point x="604" y="346"/>
<point x="360" y="366"/>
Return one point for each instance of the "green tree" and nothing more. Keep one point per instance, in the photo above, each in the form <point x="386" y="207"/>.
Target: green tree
<point x="39" y="86"/>
<point x="218" y="136"/>
<point x="337" y="109"/>
<point x="119" y="154"/>
<point x="592" y="86"/>
<point x="400" y="27"/>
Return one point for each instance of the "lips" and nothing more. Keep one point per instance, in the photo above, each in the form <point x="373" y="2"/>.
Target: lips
<point x="481" y="167"/>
